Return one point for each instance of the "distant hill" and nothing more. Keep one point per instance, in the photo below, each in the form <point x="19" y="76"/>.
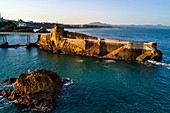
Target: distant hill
<point x="100" y="24"/>
<point x="159" y="26"/>
<point x="9" y="25"/>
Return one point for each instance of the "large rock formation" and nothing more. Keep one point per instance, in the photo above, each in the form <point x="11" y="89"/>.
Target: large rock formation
<point x="38" y="89"/>
<point x="60" y="41"/>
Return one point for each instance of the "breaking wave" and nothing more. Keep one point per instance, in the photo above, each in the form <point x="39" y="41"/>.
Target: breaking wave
<point x="69" y="83"/>
<point x="159" y="63"/>
<point x="5" y="86"/>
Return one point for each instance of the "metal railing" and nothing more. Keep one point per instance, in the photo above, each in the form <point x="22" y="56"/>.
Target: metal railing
<point x="21" y="33"/>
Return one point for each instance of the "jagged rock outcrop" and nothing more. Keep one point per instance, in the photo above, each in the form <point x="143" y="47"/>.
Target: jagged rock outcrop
<point x="10" y="81"/>
<point x="42" y="30"/>
<point x="38" y="89"/>
<point x="60" y="41"/>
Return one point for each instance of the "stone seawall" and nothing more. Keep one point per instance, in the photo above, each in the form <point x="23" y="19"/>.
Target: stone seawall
<point x="57" y="42"/>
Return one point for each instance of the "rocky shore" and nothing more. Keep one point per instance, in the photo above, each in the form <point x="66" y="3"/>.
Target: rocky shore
<point x="38" y="89"/>
<point x="60" y="41"/>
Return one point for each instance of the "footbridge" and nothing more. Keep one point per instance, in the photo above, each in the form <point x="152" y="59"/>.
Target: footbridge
<point x="4" y="35"/>
<point x="4" y="39"/>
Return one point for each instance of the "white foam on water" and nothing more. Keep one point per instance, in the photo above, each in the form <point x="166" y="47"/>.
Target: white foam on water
<point x="2" y="99"/>
<point x="69" y="83"/>
<point x="106" y="66"/>
<point x="7" y="103"/>
<point x="2" y="107"/>
<point x="8" y="86"/>
<point x="97" y="61"/>
<point x="159" y="63"/>
<point x="110" y="61"/>
<point x="80" y="61"/>
<point x="3" y="86"/>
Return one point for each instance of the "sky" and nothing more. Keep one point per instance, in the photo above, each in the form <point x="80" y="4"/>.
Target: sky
<point x="117" y="12"/>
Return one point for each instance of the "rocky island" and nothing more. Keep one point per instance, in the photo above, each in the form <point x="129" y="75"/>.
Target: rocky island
<point x="61" y="41"/>
<point x="38" y="89"/>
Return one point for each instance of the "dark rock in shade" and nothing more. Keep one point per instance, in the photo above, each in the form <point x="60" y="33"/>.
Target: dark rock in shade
<point x="29" y="45"/>
<point x="14" y="46"/>
<point x="42" y="30"/>
<point x="10" y="81"/>
<point x="38" y="89"/>
<point x="6" y="93"/>
<point x="158" y="57"/>
<point x="4" y="45"/>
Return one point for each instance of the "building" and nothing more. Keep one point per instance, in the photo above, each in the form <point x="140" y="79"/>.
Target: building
<point x="1" y="18"/>
<point x="21" y="23"/>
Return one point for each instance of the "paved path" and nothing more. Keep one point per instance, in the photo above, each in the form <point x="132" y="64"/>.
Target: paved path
<point x="28" y="34"/>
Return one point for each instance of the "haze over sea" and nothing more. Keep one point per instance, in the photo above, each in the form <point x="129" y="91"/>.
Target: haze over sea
<point x="104" y="86"/>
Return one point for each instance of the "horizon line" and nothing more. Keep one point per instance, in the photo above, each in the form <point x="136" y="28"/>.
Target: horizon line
<point x="86" y="23"/>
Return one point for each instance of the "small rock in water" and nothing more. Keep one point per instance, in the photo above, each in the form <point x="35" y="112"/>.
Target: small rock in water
<point x="10" y="81"/>
<point x="6" y="93"/>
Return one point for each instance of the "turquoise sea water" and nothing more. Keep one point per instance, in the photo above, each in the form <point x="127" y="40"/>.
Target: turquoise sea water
<point x="100" y="86"/>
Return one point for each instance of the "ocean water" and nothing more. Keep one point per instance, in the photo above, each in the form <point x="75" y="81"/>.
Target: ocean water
<point x="100" y="86"/>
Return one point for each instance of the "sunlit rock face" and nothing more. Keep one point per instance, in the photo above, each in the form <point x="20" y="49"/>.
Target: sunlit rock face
<point x="60" y="41"/>
<point x="38" y="89"/>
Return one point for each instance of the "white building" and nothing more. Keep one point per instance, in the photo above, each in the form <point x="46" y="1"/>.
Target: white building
<point x="22" y="24"/>
<point x="1" y="18"/>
